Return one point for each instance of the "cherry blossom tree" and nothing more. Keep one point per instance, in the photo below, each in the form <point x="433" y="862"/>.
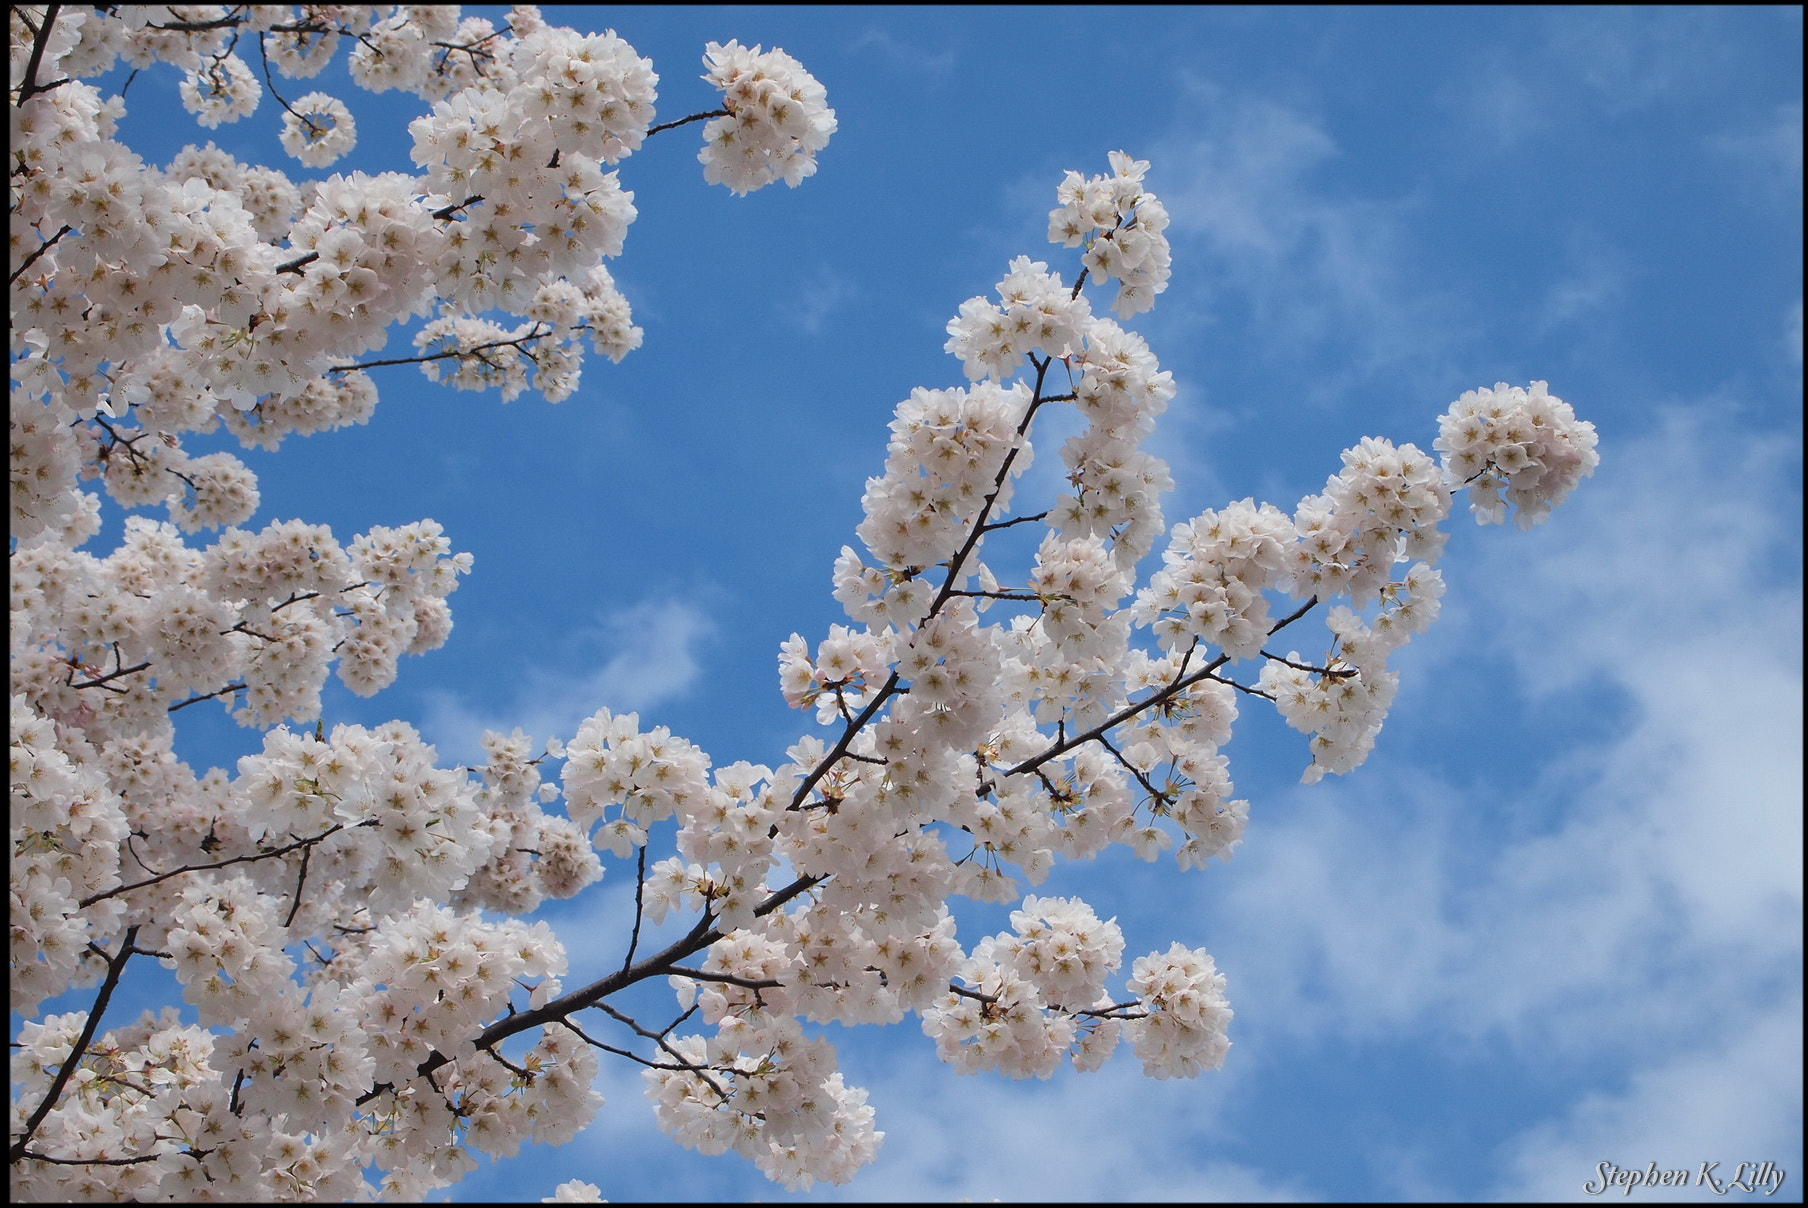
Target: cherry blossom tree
<point x="365" y="1000"/>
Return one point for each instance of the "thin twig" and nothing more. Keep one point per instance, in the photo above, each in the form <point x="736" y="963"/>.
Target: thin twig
<point x="695" y="117"/>
<point x="476" y="351"/>
<point x="640" y="885"/>
<point x="195" y="700"/>
<point x="1336" y="672"/>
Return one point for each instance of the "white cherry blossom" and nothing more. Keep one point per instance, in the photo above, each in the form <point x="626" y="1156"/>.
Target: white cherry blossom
<point x="364" y="1005"/>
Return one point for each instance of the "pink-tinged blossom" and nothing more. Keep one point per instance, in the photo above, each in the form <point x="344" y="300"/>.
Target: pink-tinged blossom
<point x="341" y="911"/>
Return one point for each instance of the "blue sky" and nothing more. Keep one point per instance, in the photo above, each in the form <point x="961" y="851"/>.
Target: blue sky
<point x="1556" y="920"/>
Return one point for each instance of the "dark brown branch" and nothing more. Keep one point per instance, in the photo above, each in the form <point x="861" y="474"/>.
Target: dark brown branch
<point x="507" y="1064"/>
<point x="1135" y="707"/>
<point x="947" y="592"/>
<point x="630" y="1054"/>
<point x="1120" y="1010"/>
<point x="661" y="964"/>
<point x="1244" y="688"/>
<point x="1004" y="470"/>
<point x="36" y="252"/>
<point x="1003" y="595"/>
<point x="195" y="700"/>
<point x="476" y="351"/>
<point x="301" y="878"/>
<point x="101" y="681"/>
<point x="187" y="868"/>
<point x="264" y="54"/>
<point x="1155" y="794"/>
<point x="995" y="525"/>
<point x="886" y="690"/>
<point x="299" y="263"/>
<point x="1335" y="672"/>
<point x="116" y="966"/>
<point x="695" y="117"/>
<point x="28" y="1156"/>
<point x="975" y="995"/>
<point x="445" y="212"/>
<point x="659" y="1038"/>
<point x="229" y="21"/>
<point x="746" y="983"/>
<point x="640" y="886"/>
<point x="40" y="39"/>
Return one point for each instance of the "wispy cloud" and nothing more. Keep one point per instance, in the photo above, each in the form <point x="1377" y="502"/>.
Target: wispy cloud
<point x="1675" y="837"/>
<point x="1727" y="1101"/>
<point x="1637" y="905"/>
<point x="633" y="658"/>
<point x="1559" y="62"/>
<point x="937" y="64"/>
<point x="1595" y="279"/>
<point x="1768" y="156"/>
<point x="1631" y="58"/>
<point x="1314" y="268"/>
<point x="1510" y="110"/>
<point x="1131" y="1140"/>
<point x="811" y="305"/>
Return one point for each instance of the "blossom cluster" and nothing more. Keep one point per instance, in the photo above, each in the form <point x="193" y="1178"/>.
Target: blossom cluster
<point x="154" y="1082"/>
<point x="1213" y="574"/>
<point x="943" y="717"/>
<point x="841" y="677"/>
<point x="777" y="119"/>
<point x="761" y="1088"/>
<point x="947" y="450"/>
<point x="1005" y="696"/>
<point x="1522" y="441"/>
<point x="321" y="904"/>
<point x="1035" y="312"/>
<point x="276" y="1101"/>
<point x="1184" y="1032"/>
<point x="113" y="645"/>
<point x="160" y="302"/>
<point x="1120" y="224"/>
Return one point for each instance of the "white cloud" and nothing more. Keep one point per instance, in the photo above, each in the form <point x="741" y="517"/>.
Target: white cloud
<point x="911" y="59"/>
<point x="1644" y="913"/>
<point x="1776" y="145"/>
<point x="1729" y="1101"/>
<point x="812" y="304"/>
<point x="1630" y="58"/>
<point x="1766" y="158"/>
<point x="1595" y="279"/>
<point x="1109" y="1136"/>
<point x="632" y="659"/>
<point x="1314" y="268"/>
<point x="1506" y="113"/>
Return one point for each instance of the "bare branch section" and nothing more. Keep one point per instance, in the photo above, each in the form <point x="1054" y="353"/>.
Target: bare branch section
<point x="521" y="342"/>
<point x="685" y="121"/>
